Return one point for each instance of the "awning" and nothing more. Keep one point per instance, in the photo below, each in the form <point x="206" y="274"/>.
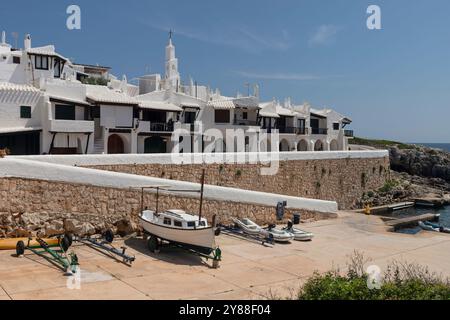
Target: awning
<point x="285" y="112"/>
<point x="104" y="95"/>
<point x="318" y="115"/>
<point x="268" y="114"/>
<point x="222" y="104"/>
<point x="45" y="52"/>
<point x="159" y="105"/>
<point x="192" y="105"/>
<point x="19" y="129"/>
<point x="55" y="98"/>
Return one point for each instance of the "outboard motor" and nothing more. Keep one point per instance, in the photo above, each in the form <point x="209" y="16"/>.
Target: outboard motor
<point x="290" y="225"/>
<point x="280" y="209"/>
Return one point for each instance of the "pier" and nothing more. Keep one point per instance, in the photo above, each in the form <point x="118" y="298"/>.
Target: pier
<point x="411" y="221"/>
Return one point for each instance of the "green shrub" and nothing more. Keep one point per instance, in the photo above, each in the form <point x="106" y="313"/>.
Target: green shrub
<point x="388" y="186"/>
<point x="400" y="281"/>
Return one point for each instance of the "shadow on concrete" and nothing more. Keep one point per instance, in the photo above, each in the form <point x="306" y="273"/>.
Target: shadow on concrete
<point x="167" y="253"/>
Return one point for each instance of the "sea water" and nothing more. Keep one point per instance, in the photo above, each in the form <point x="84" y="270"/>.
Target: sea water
<point x="444" y="219"/>
<point x="442" y="146"/>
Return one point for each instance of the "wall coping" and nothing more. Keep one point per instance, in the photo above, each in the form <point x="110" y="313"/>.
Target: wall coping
<point x="200" y="158"/>
<point x="13" y="167"/>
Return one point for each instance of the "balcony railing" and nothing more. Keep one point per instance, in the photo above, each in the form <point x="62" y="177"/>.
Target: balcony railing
<point x="72" y="126"/>
<point x="161" y="127"/>
<point x="147" y="126"/>
<point x="348" y="133"/>
<point x="243" y="122"/>
<point x="319" y="131"/>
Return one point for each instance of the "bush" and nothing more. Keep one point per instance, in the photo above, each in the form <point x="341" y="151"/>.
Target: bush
<point x="401" y="281"/>
<point x="388" y="186"/>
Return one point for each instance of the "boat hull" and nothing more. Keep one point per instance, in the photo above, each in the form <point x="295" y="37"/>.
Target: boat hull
<point x="202" y="239"/>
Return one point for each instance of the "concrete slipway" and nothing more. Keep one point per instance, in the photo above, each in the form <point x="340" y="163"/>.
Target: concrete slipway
<point x="247" y="271"/>
<point x="31" y="169"/>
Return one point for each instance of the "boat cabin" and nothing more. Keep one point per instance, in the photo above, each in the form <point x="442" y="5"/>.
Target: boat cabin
<point x="177" y="219"/>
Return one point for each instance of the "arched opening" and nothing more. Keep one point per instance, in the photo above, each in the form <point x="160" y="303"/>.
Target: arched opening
<point x="284" y="146"/>
<point x="334" y="145"/>
<point x="219" y="146"/>
<point x="302" y="145"/>
<point x="318" y="146"/>
<point x="155" y="145"/>
<point x="115" y="144"/>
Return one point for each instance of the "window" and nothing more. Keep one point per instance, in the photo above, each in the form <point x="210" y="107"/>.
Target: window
<point x="189" y="117"/>
<point x="202" y="223"/>
<point x="41" y="62"/>
<point x="25" y="112"/>
<point x="64" y="112"/>
<point x="222" y="116"/>
<point x="167" y="221"/>
<point x="16" y="60"/>
<point x="57" y="68"/>
<point x="245" y="115"/>
<point x="177" y="223"/>
<point x="336" y="126"/>
<point x="191" y="224"/>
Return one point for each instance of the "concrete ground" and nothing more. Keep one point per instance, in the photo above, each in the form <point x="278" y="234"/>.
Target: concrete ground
<point x="248" y="270"/>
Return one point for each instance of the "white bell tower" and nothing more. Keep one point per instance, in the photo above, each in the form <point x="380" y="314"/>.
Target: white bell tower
<point x="172" y="77"/>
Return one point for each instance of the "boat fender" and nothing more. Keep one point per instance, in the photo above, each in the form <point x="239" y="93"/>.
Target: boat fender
<point x="217" y="232"/>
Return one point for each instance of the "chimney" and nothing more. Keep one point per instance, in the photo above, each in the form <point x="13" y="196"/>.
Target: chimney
<point x="27" y="42"/>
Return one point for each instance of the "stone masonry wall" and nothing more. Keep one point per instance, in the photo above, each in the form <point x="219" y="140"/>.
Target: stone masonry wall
<point x="340" y="180"/>
<point x="103" y="207"/>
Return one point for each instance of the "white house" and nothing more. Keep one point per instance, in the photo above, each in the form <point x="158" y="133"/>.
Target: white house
<point x="46" y="108"/>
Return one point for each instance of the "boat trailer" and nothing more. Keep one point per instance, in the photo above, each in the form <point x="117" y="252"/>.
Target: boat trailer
<point x="154" y="244"/>
<point x="57" y="256"/>
<point x="234" y="231"/>
<point x="105" y="246"/>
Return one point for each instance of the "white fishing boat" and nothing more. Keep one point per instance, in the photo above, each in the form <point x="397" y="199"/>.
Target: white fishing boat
<point x="299" y="235"/>
<point x="179" y="227"/>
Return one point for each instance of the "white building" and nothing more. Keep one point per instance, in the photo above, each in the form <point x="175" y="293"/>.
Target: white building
<point x="46" y="109"/>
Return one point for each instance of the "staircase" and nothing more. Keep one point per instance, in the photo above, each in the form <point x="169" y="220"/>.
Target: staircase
<point x="98" y="146"/>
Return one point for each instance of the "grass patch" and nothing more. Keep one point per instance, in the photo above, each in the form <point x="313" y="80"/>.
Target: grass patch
<point x="381" y="143"/>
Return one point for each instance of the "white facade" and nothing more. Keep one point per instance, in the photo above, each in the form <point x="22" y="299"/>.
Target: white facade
<point x="40" y="93"/>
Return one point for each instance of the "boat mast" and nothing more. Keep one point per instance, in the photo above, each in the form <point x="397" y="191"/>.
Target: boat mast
<point x="201" y="196"/>
<point x="157" y="200"/>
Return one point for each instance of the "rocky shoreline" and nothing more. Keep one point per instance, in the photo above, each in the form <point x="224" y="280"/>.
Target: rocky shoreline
<point x="416" y="173"/>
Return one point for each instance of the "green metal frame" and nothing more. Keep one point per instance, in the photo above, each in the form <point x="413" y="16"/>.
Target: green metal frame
<point x="59" y="256"/>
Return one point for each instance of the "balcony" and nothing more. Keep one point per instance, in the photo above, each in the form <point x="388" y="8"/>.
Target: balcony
<point x="245" y="123"/>
<point x="321" y="131"/>
<point x="348" y="133"/>
<point x="71" y="126"/>
<point x="147" y="126"/>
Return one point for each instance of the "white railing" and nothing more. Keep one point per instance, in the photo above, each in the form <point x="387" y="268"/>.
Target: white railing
<point x="72" y="126"/>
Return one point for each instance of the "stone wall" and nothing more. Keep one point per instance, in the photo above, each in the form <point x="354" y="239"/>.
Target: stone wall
<point x="341" y="180"/>
<point x="102" y="207"/>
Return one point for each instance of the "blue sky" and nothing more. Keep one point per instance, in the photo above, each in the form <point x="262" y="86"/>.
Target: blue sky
<point x="394" y="83"/>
